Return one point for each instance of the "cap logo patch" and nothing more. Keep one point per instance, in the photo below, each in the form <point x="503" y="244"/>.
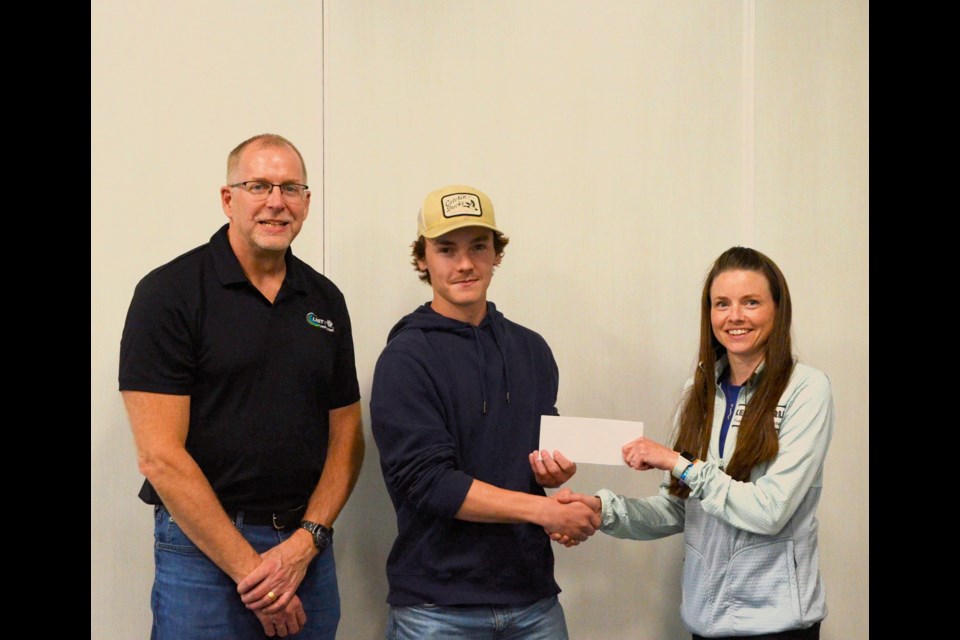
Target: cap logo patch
<point x="460" y="204"/>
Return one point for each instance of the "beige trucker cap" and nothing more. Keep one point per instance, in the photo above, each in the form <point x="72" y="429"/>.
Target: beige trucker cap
<point x="453" y="207"/>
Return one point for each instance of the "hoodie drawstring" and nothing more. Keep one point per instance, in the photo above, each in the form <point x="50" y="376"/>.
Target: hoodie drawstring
<point x="503" y="357"/>
<point x="482" y="365"/>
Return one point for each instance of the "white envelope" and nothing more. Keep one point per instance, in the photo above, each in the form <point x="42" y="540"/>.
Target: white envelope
<point x="588" y="440"/>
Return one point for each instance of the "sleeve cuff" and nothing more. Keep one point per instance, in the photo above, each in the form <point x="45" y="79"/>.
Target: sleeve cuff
<point x="607" y="516"/>
<point x="680" y="466"/>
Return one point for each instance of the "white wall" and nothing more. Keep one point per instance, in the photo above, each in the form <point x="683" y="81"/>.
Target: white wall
<point x="625" y="144"/>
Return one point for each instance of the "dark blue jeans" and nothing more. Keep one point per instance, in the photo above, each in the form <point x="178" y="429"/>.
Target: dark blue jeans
<point x="542" y="620"/>
<point x="193" y="599"/>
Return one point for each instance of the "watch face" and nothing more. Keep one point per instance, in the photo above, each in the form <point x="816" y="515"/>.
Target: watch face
<point x="321" y="535"/>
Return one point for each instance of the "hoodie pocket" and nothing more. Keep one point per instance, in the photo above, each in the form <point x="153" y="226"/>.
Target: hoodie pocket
<point x="760" y="591"/>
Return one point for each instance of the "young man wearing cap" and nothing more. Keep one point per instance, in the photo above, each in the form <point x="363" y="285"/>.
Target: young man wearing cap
<point x="455" y="408"/>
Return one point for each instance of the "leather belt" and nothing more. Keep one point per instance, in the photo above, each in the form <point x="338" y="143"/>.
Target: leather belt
<point x="279" y="520"/>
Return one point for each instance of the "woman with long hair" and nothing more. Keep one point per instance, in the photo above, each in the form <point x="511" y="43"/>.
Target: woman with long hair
<point x="743" y="478"/>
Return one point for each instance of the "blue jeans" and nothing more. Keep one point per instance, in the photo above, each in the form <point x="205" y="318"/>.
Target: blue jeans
<point x="193" y="599"/>
<point x="542" y="620"/>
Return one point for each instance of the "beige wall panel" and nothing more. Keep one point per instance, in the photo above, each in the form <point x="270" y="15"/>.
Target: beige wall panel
<point x="608" y="137"/>
<point x="812" y="202"/>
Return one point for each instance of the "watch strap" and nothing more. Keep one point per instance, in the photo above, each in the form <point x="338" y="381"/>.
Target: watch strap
<point x="684" y="461"/>
<point x="322" y="535"/>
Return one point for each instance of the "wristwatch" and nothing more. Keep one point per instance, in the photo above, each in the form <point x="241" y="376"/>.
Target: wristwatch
<point x="322" y="536"/>
<point x="684" y="463"/>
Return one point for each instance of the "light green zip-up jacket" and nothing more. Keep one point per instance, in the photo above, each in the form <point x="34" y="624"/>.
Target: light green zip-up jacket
<point x="751" y="562"/>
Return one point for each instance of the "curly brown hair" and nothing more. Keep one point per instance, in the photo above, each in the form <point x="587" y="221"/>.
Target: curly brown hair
<point x="418" y="251"/>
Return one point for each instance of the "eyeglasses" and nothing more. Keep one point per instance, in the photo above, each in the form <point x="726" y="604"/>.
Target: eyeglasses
<point x="262" y="190"/>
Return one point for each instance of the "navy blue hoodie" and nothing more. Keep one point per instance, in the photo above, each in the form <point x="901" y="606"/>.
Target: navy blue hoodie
<point x="452" y="402"/>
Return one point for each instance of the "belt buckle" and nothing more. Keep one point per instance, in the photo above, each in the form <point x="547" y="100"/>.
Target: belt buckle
<point x="278" y="527"/>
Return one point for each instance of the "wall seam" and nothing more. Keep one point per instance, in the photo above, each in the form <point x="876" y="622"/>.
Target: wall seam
<point x="748" y="97"/>
<point x="324" y="32"/>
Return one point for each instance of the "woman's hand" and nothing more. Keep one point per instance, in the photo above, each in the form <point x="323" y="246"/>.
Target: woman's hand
<point x="643" y="454"/>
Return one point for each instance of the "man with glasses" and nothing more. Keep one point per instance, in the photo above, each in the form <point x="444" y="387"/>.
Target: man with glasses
<point x="237" y="372"/>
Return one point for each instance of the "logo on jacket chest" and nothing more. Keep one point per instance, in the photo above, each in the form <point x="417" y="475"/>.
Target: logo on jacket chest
<point x="738" y="416"/>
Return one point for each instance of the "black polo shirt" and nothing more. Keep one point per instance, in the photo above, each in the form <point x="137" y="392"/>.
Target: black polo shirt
<point x="261" y="377"/>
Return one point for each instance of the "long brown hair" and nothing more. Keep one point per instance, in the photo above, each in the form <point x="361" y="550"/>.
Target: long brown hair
<point x="757" y="437"/>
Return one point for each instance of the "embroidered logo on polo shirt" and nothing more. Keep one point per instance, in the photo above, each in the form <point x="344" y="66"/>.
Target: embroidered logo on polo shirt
<point x="313" y="320"/>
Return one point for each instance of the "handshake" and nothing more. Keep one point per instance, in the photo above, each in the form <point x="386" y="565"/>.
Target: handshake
<point x="577" y="517"/>
<point x="569" y="517"/>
